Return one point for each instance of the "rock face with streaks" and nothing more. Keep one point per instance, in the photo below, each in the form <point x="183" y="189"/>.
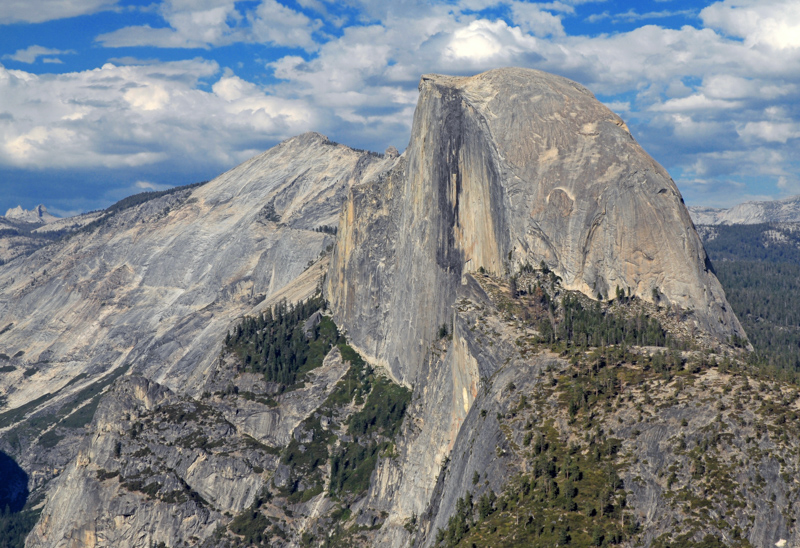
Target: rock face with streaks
<point x="156" y="286"/>
<point x="507" y="168"/>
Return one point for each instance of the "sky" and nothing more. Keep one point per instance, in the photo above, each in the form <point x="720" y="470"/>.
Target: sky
<point x="100" y="99"/>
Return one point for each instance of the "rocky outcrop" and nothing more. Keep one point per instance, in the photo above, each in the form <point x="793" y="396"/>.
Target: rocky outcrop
<point x="507" y="168"/>
<point x="786" y="210"/>
<point x="37" y="215"/>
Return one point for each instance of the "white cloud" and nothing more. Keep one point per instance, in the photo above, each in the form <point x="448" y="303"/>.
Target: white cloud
<point x="486" y="41"/>
<point x="695" y="102"/>
<point x="209" y="23"/>
<point x="774" y="23"/>
<point x="777" y="132"/>
<point x="717" y="98"/>
<point x="31" y="53"/>
<point x="276" y="24"/>
<point x="535" y="19"/>
<point x="38" y="11"/>
<point x="129" y="116"/>
<point x="633" y="15"/>
<point x="619" y="106"/>
<point x="789" y="184"/>
<point x="596" y="17"/>
<point x="147" y="186"/>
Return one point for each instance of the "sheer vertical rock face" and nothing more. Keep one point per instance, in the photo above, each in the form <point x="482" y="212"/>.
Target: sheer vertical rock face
<point x="503" y="168"/>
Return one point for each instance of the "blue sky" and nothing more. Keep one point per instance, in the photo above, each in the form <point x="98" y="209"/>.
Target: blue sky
<point x="100" y="99"/>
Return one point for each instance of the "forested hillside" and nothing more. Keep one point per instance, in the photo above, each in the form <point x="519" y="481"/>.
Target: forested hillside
<point x="759" y="267"/>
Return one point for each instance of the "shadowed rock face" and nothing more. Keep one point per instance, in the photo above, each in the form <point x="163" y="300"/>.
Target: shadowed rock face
<point x="509" y="167"/>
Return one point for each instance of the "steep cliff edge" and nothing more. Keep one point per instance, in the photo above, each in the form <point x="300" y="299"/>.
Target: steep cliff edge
<point x="506" y="168"/>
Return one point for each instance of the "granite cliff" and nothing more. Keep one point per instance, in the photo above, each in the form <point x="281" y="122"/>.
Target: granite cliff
<point x="507" y="168"/>
<point x="509" y="334"/>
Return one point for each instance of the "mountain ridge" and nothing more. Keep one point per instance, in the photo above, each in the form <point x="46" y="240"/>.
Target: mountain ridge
<point x="785" y="210"/>
<point x="522" y="340"/>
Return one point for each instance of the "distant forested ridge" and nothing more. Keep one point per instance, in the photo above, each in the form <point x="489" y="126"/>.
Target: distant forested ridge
<point x="759" y="268"/>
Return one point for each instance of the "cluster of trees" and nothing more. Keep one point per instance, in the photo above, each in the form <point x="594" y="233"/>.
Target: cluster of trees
<point x="327" y="229"/>
<point x="275" y="344"/>
<point x="592" y="326"/>
<point x="557" y="487"/>
<point x="15" y="526"/>
<point x="373" y="428"/>
<point x="352" y="467"/>
<point x="753" y="243"/>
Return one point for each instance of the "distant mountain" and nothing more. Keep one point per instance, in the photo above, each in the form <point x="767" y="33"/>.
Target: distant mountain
<point x="23" y="232"/>
<point x="786" y="210"/>
<point x="38" y="215"/>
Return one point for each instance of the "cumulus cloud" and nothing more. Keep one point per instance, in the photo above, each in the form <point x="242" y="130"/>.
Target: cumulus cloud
<point x="537" y="20"/>
<point x="132" y="116"/>
<point x="772" y="23"/>
<point x="30" y="54"/>
<point x="778" y="132"/>
<point x="713" y="101"/>
<point x="38" y="11"/>
<point x="208" y="23"/>
<point x="484" y="42"/>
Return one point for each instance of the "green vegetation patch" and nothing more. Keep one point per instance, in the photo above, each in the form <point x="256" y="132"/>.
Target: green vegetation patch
<point x="373" y="428"/>
<point x="592" y="326"/>
<point x="573" y="496"/>
<point x="275" y="344"/>
<point x="252" y="524"/>
<point x="15" y="526"/>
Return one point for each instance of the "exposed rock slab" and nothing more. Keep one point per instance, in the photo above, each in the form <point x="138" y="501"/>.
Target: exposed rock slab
<point x="156" y="286"/>
<point x="37" y="215"/>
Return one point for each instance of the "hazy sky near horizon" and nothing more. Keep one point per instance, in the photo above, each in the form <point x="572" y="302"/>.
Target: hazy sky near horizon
<point x="100" y="99"/>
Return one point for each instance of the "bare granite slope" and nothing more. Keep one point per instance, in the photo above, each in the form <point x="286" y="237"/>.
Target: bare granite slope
<point x="156" y="286"/>
<point x="152" y="289"/>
